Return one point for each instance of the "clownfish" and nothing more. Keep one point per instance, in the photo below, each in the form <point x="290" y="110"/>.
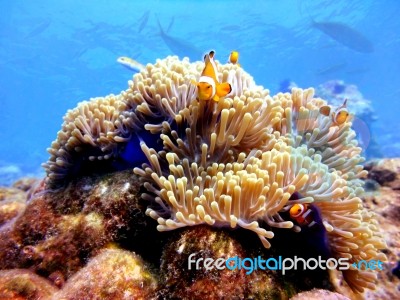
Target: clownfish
<point x="130" y="63"/>
<point x="234" y="57"/>
<point x="339" y="116"/>
<point x="302" y="214"/>
<point x="313" y="234"/>
<point x="208" y="86"/>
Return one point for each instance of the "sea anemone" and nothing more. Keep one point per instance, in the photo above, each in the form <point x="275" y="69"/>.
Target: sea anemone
<point x="237" y="162"/>
<point x="93" y="131"/>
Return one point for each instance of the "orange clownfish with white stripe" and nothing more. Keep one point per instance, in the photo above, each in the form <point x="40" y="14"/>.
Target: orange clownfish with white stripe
<point x="302" y="214"/>
<point x="339" y="116"/>
<point x="208" y="86"/>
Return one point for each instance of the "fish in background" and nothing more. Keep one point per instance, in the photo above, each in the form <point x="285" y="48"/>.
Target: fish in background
<point x="143" y="21"/>
<point x="179" y="46"/>
<point x="341" y="68"/>
<point x="42" y="26"/>
<point x="331" y="69"/>
<point x="359" y="70"/>
<point x="130" y="63"/>
<point x="170" y="24"/>
<point x="343" y="34"/>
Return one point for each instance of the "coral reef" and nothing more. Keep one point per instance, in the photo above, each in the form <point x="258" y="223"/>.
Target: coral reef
<point x="113" y="274"/>
<point x="245" y="281"/>
<point x="241" y="162"/>
<point x="385" y="202"/>
<point x="24" y="284"/>
<point x="13" y="199"/>
<point x="12" y="202"/>
<point x="26" y="183"/>
<point x="75" y="222"/>
<point x="60" y="231"/>
<point x="384" y="199"/>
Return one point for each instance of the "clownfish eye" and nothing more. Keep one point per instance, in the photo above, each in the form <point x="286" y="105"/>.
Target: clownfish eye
<point x="208" y="86"/>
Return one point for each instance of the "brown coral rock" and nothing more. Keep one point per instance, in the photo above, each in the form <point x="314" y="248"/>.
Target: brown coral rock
<point x="12" y="202"/>
<point x="60" y="229"/>
<point x="26" y="183"/>
<point x="12" y="194"/>
<point x="205" y="243"/>
<point x="113" y="274"/>
<point x="386" y="172"/>
<point x="316" y="294"/>
<point x="180" y="282"/>
<point x="23" y="284"/>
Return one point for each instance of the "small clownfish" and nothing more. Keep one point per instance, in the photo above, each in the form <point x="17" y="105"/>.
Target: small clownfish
<point x="208" y="86"/>
<point x="130" y="63"/>
<point x="339" y="116"/>
<point x="302" y="214"/>
<point x="234" y="57"/>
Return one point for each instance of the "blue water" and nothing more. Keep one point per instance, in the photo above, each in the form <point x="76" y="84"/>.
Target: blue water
<point x="54" y="54"/>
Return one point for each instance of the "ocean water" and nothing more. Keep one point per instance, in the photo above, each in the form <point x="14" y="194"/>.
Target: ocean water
<point x="54" y="54"/>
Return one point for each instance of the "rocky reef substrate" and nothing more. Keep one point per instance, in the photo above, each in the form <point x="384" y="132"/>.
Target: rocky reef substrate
<point x="92" y="239"/>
